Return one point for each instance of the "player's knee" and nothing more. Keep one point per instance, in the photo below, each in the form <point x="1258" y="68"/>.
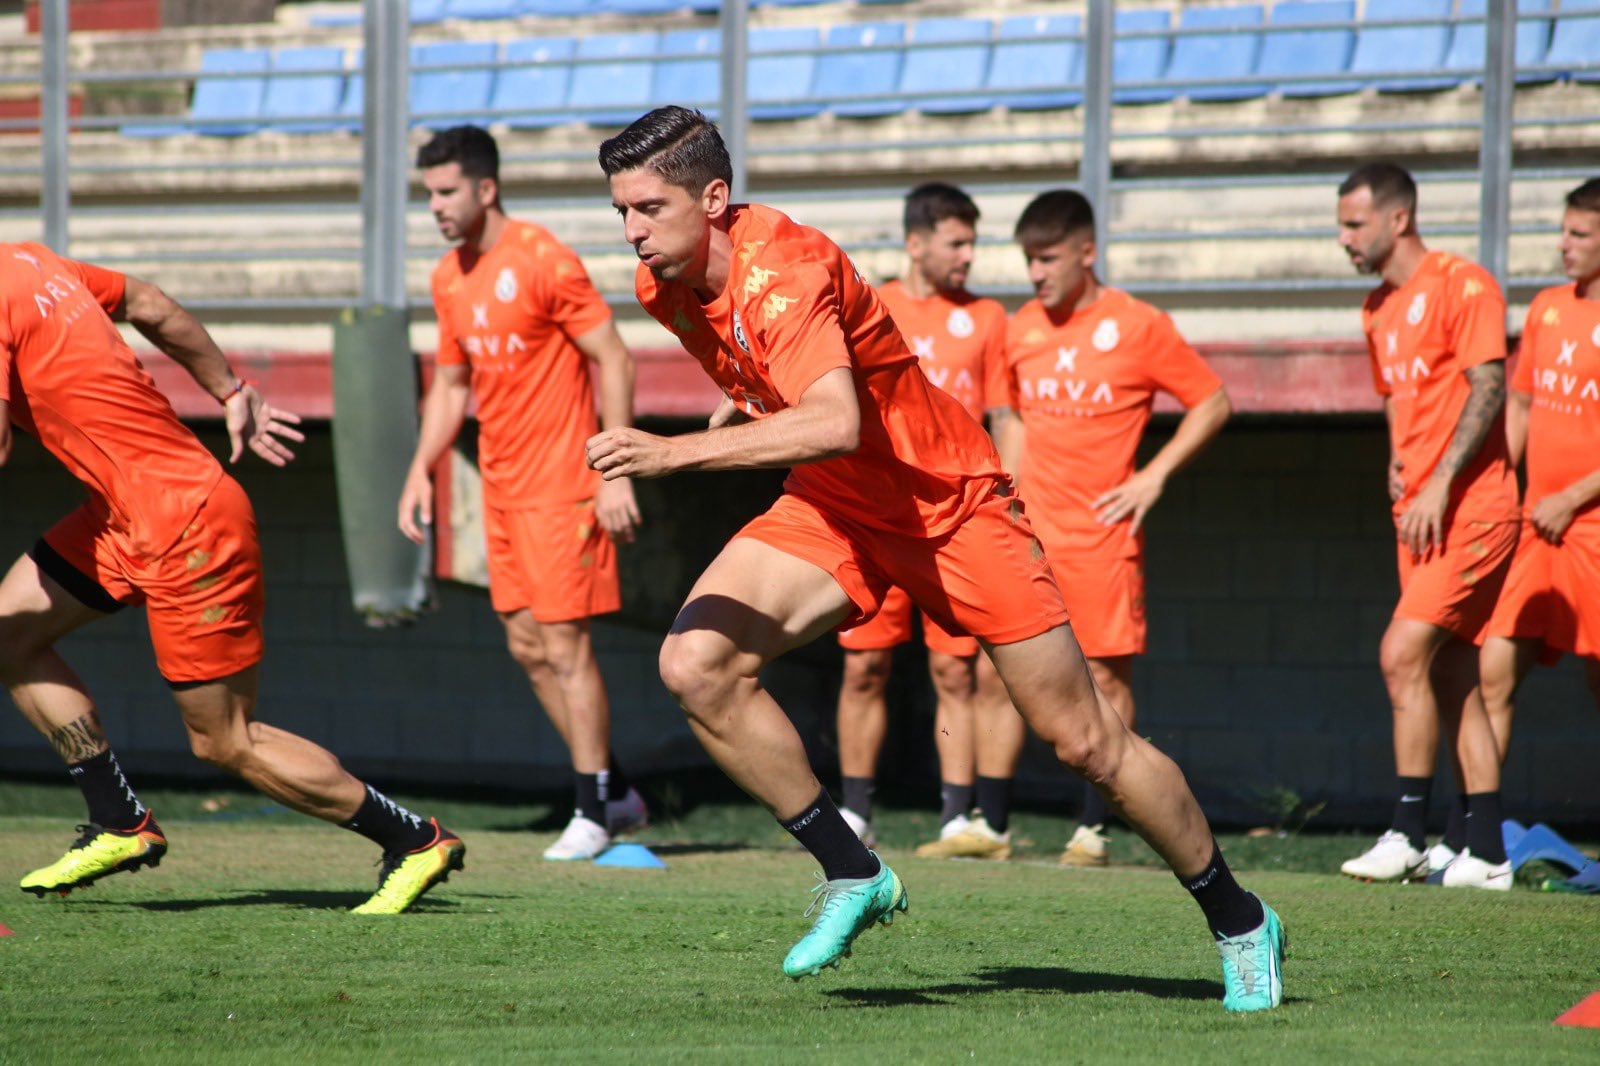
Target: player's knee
<point x="1091" y="753"/>
<point x="952" y="678"/>
<point x="527" y="650"/>
<point x="20" y="641"/>
<point x="696" y="668"/>
<point x="1403" y="661"/>
<point x="866" y="673"/>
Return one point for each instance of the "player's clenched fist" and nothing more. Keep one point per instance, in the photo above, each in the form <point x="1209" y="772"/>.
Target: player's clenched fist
<point x="629" y="453"/>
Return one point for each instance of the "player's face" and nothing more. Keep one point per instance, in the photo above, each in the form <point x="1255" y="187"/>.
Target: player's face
<point x="458" y="203"/>
<point x="1580" y="244"/>
<point x="669" y="228"/>
<point x="1366" y="233"/>
<point x="943" y="255"/>
<point x="1060" y="271"/>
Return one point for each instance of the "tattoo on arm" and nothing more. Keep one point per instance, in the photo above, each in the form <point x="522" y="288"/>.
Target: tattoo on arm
<point x="79" y="740"/>
<point x="1488" y="396"/>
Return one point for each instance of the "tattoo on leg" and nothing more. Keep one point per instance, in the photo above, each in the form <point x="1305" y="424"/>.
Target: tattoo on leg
<point x="79" y="740"/>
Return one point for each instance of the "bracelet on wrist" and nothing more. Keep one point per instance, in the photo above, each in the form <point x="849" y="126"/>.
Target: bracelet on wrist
<point x="238" y="387"/>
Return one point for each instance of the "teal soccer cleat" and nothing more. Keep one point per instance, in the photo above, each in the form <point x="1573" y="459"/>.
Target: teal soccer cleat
<point x="1252" y="965"/>
<point x="845" y="910"/>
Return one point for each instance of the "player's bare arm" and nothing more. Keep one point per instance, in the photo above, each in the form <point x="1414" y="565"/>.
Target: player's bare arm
<point x="180" y="336"/>
<point x="825" y="423"/>
<point x="444" y="410"/>
<point x="5" y="431"/>
<point x="1517" y="405"/>
<point x="615" y="507"/>
<point x="1005" y="429"/>
<point x="1397" y="479"/>
<point x="1132" y="500"/>
<point x="1422" y="525"/>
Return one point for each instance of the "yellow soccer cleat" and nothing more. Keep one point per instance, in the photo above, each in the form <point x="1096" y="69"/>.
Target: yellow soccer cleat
<point x="406" y="875"/>
<point x="97" y="852"/>
<point x="976" y="840"/>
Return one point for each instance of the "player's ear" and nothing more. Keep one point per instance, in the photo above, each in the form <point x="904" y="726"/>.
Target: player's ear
<point x="488" y="192"/>
<point x="1091" y="252"/>
<point x="714" y="199"/>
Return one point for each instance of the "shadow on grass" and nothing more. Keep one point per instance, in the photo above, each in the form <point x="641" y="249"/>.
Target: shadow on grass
<point x="692" y="848"/>
<point x="1031" y="979"/>
<point x="304" y="899"/>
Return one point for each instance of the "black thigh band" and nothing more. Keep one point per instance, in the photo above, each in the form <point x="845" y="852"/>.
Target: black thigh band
<point x="85" y="589"/>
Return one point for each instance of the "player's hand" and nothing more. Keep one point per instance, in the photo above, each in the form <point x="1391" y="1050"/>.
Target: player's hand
<point x="416" y="506"/>
<point x="616" y="510"/>
<point x="1130" y="501"/>
<point x="1421" y="526"/>
<point x="253" y="421"/>
<point x="1552" y="515"/>
<point x="1397" y="482"/>
<point x="621" y="452"/>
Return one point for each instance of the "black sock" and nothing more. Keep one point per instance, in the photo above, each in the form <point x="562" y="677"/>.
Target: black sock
<point x="589" y="803"/>
<point x="617" y="780"/>
<point x="1229" y="909"/>
<point x="1411" y="808"/>
<point x="823" y="832"/>
<point x="1455" y="830"/>
<point x="1095" y="811"/>
<point x="994" y="800"/>
<point x="111" y="800"/>
<point x="858" y="795"/>
<point x="1483" y="831"/>
<point x="389" y="825"/>
<point x="954" y="801"/>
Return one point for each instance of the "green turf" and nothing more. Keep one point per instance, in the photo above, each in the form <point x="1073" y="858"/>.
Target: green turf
<point x="238" y="949"/>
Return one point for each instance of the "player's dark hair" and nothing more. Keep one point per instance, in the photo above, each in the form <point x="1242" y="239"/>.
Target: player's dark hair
<point x="1391" y="185"/>
<point x="1585" y="197"/>
<point x="932" y="202"/>
<point x="677" y="143"/>
<point x="1052" y="217"/>
<point x="471" y="147"/>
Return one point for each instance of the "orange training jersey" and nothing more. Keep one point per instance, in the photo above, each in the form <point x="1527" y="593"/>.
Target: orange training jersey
<point x="1560" y="366"/>
<point x="960" y="341"/>
<point x="794" y="309"/>
<point x="1422" y="337"/>
<point x="73" y="383"/>
<point x="512" y="313"/>
<point x="1084" y="388"/>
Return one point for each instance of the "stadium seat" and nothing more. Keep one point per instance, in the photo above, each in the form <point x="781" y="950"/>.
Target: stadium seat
<point x="1301" y="52"/>
<point x="533" y="82"/>
<point x="962" y="66"/>
<point x="1382" y="50"/>
<point x="300" y="100"/>
<point x="779" y="85"/>
<point x="558" y="8"/>
<point x="483" y="9"/>
<point x="1533" y="41"/>
<point x="1214" y="56"/>
<point x="229" y="107"/>
<point x="863" y="65"/>
<point x="428" y="10"/>
<point x="615" y="93"/>
<point x="450" y="97"/>
<point x="1575" y="40"/>
<point x="1140" y="58"/>
<point x="641" y="7"/>
<point x="690" y="82"/>
<point x="1029" y="74"/>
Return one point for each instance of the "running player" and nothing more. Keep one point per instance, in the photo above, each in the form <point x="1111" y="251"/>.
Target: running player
<point x="519" y="323"/>
<point x="892" y="484"/>
<point x="959" y="340"/>
<point x="1435" y="328"/>
<point x="165" y="527"/>
<point x="1551" y="600"/>
<point x="1085" y="362"/>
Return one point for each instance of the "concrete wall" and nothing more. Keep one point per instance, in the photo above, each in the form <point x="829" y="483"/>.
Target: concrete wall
<point x="1271" y="576"/>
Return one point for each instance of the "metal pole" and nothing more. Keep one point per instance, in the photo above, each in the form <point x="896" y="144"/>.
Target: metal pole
<point x="735" y="104"/>
<point x="1094" y="170"/>
<point x="55" y="183"/>
<point x="385" y="110"/>
<point x="1494" y="151"/>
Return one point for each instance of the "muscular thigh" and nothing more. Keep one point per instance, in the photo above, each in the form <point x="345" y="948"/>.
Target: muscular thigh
<point x="35" y="610"/>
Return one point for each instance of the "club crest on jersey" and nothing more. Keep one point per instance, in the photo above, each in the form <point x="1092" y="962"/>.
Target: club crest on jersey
<point x="505" y="286"/>
<point x="1106" y="335"/>
<point x="1418" y="308"/>
<point x="959" y="323"/>
<point x="738" y="333"/>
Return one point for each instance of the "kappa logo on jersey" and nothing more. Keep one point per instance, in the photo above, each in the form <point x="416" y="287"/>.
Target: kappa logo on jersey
<point x="1472" y="287"/>
<point x="776" y="305"/>
<point x="757" y="280"/>
<point x="1066" y="361"/>
<point x="505" y="287"/>
<point x="738" y="334"/>
<point x="1418" y="308"/>
<point x="682" y="324"/>
<point x="1033" y="336"/>
<point x="1106" y="335"/>
<point x="748" y="252"/>
<point x="1552" y="317"/>
<point x="922" y="348"/>
<point x="960" y="323"/>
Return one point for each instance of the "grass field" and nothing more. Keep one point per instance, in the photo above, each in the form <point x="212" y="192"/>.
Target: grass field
<point x="238" y="949"/>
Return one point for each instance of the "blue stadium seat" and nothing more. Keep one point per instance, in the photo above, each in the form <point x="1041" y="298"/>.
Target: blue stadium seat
<point x="235" y="102"/>
<point x="689" y="82"/>
<point x="642" y="7"/>
<point x="428" y="10"/>
<point x="779" y="85"/>
<point x="533" y="82"/>
<point x="482" y="9"/>
<point x="464" y="94"/>
<point x="788" y="3"/>
<point x="962" y="66"/>
<point x="1381" y="49"/>
<point x="1208" y="56"/>
<point x="1028" y="74"/>
<point x="1299" y="52"/>
<point x="1140" y="58"/>
<point x="860" y="69"/>
<point x="1575" y="40"/>
<point x="1467" y="43"/>
<point x="615" y="93"/>
<point x="301" y="98"/>
<point x="558" y="8"/>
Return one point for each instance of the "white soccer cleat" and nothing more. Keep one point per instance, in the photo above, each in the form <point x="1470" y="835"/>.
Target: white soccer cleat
<point x="959" y="824"/>
<point x="859" y="826"/>
<point x="628" y="814"/>
<point x="1469" y="871"/>
<point x="581" y="839"/>
<point x="1392" y="858"/>
<point x="1440" y="856"/>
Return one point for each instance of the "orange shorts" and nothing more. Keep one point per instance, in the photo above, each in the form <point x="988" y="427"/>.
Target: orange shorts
<point x="1104" y="594"/>
<point x="1456" y="589"/>
<point x="988" y="577"/>
<point x="203" y="596"/>
<point x="891" y="626"/>
<point x="554" y="560"/>
<point x="1552" y="593"/>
